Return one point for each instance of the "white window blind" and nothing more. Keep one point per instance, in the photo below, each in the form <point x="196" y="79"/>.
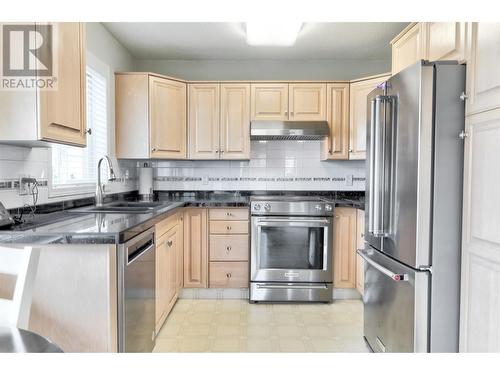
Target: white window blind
<point x="74" y="166"/>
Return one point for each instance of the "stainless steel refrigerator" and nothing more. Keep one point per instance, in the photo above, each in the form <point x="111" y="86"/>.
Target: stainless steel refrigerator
<point x="413" y="210"/>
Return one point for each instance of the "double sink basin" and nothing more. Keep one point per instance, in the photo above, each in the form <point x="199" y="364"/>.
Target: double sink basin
<point x="124" y="207"/>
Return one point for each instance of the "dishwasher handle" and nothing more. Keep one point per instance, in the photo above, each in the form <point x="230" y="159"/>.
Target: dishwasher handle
<point x="135" y="252"/>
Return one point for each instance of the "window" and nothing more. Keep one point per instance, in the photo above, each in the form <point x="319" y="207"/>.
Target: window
<point x="74" y="167"/>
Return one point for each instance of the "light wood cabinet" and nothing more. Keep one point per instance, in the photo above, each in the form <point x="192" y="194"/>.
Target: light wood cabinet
<point x="167" y="116"/>
<point x="307" y="101"/>
<point x="179" y="273"/>
<point x="336" y="145"/>
<point x="219" y="121"/>
<point x="269" y="101"/>
<point x="480" y="299"/>
<point x="227" y="248"/>
<point x="228" y="274"/>
<point x="344" y="247"/>
<point x="360" y="244"/>
<point x="483" y="74"/>
<point x="195" y="248"/>
<point x="359" y="91"/>
<point x="408" y="47"/>
<point x="294" y="101"/>
<point x="57" y="115"/>
<point x="150" y="117"/>
<point x="445" y="40"/>
<point x="235" y="121"/>
<point x="204" y="121"/>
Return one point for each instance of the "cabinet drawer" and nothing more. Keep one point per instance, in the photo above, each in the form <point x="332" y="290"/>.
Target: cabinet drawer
<point x="228" y="214"/>
<point x="228" y="274"/>
<point x="229" y="248"/>
<point x="228" y="227"/>
<point x="166" y="224"/>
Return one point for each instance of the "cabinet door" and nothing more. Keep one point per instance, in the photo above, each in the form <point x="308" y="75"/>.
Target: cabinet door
<point x="180" y="254"/>
<point x="480" y="299"/>
<point x="269" y="101"/>
<point x="307" y="101"/>
<point x="195" y="248"/>
<point x="408" y="49"/>
<point x="360" y="265"/>
<point x="344" y="248"/>
<point x="483" y="74"/>
<point x="62" y="111"/>
<point x="357" y="122"/>
<point x="445" y="40"/>
<point x="337" y="110"/>
<point x="203" y="123"/>
<point x="235" y="121"/>
<point x="166" y="281"/>
<point x="167" y="116"/>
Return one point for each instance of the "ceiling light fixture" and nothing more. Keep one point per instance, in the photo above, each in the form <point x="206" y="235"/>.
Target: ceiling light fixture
<point x="272" y="33"/>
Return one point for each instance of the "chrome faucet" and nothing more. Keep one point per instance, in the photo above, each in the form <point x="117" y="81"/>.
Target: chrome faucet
<point x="99" y="191"/>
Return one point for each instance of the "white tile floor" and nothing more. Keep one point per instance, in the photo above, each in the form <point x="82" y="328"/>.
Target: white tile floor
<point x="238" y="326"/>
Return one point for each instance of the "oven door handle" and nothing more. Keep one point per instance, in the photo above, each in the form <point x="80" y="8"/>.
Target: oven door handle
<point x="270" y="221"/>
<point x="291" y="286"/>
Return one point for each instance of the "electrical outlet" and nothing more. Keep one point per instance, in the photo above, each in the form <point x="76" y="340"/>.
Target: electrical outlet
<point x="348" y="180"/>
<point x="26" y="184"/>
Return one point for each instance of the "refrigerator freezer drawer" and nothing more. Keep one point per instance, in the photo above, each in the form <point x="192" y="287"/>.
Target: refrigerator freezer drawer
<point x="396" y="305"/>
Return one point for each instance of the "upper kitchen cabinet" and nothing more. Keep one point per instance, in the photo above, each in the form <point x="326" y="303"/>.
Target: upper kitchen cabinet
<point x="203" y="121"/>
<point x="235" y="121"/>
<point x="359" y="91"/>
<point x="150" y="117"/>
<point x="294" y="101"/>
<point x="31" y="116"/>
<point x="307" y="101"/>
<point x="336" y="145"/>
<point x="483" y="73"/>
<point x="445" y="40"/>
<point x="408" y="47"/>
<point x="219" y="121"/>
<point x="269" y="101"/>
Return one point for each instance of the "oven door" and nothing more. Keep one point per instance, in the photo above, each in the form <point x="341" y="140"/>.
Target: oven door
<point x="291" y="249"/>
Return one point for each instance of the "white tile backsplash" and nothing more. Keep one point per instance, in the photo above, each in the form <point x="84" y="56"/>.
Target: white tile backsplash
<point x="274" y="165"/>
<point x="36" y="162"/>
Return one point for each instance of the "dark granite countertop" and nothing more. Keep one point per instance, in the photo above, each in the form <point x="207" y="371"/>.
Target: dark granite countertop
<point x="68" y="226"/>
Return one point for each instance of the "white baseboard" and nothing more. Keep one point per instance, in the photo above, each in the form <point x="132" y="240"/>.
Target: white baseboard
<point x="242" y="293"/>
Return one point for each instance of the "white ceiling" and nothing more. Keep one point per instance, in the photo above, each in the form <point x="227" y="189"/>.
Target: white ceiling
<point x="224" y="40"/>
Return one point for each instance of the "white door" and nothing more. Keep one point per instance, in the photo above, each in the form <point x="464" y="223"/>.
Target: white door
<point x="480" y="289"/>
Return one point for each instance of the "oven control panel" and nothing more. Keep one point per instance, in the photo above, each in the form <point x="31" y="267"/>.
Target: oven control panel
<point x="295" y="208"/>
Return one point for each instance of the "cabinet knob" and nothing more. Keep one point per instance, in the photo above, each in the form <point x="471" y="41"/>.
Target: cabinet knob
<point x="217" y="151"/>
<point x="463" y="134"/>
<point x="463" y="96"/>
<point x="153" y="149"/>
<point x="89" y="131"/>
<point x="228" y="275"/>
<point x="350" y="150"/>
<point x="228" y="248"/>
<point x="228" y="227"/>
<point x="286" y="113"/>
<point x="229" y="214"/>
<point x="221" y="151"/>
<point x="169" y="243"/>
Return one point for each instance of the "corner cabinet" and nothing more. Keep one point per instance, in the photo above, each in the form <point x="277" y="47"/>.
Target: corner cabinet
<point x="336" y="145"/>
<point x="57" y="115"/>
<point x="219" y="121"/>
<point x="150" y="117"/>
<point x="294" y="101"/>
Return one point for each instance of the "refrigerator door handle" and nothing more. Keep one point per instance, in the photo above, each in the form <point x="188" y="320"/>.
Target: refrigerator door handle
<point x="379" y="165"/>
<point x="394" y="276"/>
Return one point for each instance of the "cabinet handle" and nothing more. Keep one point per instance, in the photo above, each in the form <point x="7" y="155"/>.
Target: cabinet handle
<point x="350" y="150"/>
<point x="153" y="149"/>
<point x="228" y="227"/>
<point x="216" y="150"/>
<point x="169" y="243"/>
<point x="228" y="275"/>
<point x="228" y="248"/>
<point x="89" y="131"/>
<point x="229" y="214"/>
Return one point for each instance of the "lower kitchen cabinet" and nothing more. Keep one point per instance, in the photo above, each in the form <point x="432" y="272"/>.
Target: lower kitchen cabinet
<point x="344" y="247"/>
<point x="228" y="274"/>
<point x="195" y="248"/>
<point x="167" y="252"/>
<point x="360" y="265"/>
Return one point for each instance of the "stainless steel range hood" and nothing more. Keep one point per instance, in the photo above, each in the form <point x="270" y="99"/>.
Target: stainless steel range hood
<point x="288" y="130"/>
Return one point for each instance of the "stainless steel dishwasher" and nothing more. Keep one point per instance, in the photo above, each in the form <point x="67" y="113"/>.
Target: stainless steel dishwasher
<point x="136" y="293"/>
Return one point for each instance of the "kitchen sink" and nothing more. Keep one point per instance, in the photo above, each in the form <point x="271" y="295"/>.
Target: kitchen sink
<point x="119" y="207"/>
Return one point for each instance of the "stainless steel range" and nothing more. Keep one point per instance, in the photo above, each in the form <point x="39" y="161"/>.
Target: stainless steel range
<point x="291" y="249"/>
